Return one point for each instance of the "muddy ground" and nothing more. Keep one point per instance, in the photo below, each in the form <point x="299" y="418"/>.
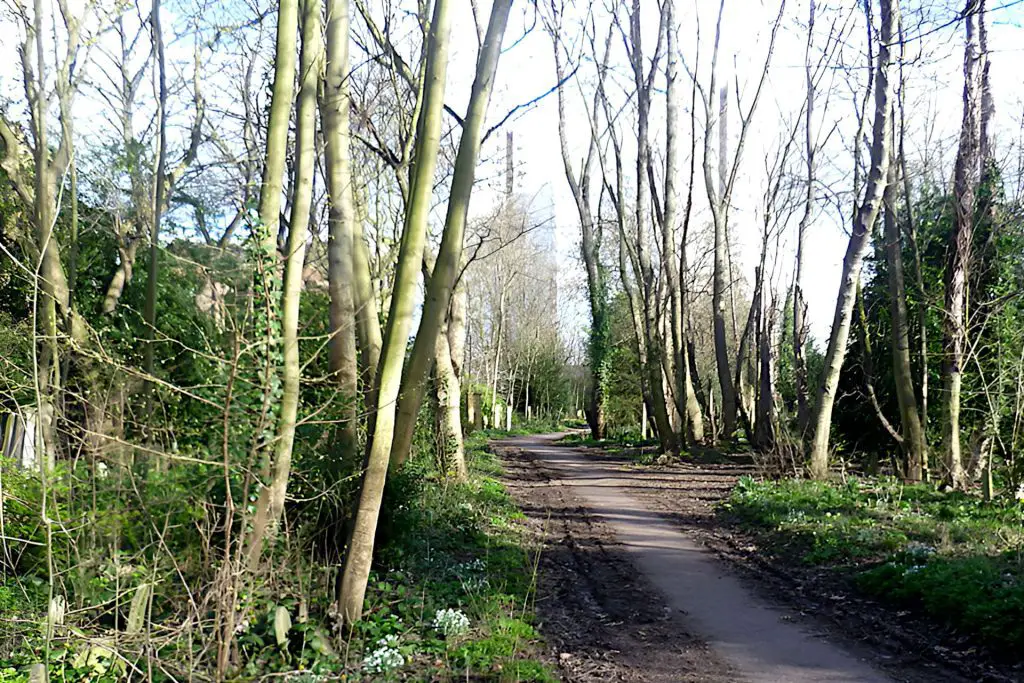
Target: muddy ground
<point x="604" y="621"/>
<point x="601" y="618"/>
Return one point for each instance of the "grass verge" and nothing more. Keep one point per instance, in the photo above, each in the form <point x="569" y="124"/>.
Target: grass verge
<point x="950" y="556"/>
<point x="457" y="547"/>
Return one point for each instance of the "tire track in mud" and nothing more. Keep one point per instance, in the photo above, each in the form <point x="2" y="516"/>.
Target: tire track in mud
<point x="603" y="619"/>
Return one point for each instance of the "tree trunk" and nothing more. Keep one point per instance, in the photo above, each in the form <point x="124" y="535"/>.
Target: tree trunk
<point x="799" y="305"/>
<point x="913" y="434"/>
<point x="719" y="286"/>
<point x="342" y="222"/>
<point x="765" y="417"/>
<point x="270" y="503"/>
<point x="367" y="320"/>
<point x="449" y="257"/>
<point x="590" y="247"/>
<point x="389" y="373"/>
<point x="965" y="186"/>
<point x="676" y="345"/>
<point x="864" y="221"/>
<point x="149" y="309"/>
<point x="451" y="453"/>
<point x="54" y="300"/>
<point x="644" y="270"/>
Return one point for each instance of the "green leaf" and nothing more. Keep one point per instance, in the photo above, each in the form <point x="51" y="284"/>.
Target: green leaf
<point x="282" y="624"/>
<point x="137" y="612"/>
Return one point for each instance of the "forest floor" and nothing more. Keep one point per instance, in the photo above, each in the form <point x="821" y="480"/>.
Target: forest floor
<point x="641" y="580"/>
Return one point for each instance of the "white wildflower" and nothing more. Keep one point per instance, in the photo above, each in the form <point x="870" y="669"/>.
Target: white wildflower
<point x="386" y="657"/>
<point x="451" y="622"/>
<point x="919" y="550"/>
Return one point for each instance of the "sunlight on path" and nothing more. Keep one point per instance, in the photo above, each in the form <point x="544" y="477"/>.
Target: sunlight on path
<point x="761" y="641"/>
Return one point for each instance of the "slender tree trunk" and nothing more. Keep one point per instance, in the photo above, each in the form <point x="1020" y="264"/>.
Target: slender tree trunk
<point x="675" y="345"/>
<point x="644" y="275"/>
<point x="271" y="498"/>
<point x="636" y="316"/>
<point x="389" y="373"/>
<point x="913" y="434"/>
<point x="965" y="186"/>
<point x="449" y="258"/>
<point x="862" y="227"/>
<point x="746" y="398"/>
<point x="690" y="381"/>
<point x="48" y="305"/>
<point x="922" y="309"/>
<point x="367" y="321"/>
<point x="765" y="417"/>
<point x="149" y="310"/>
<point x="499" y="338"/>
<point x="590" y="245"/>
<point x="342" y="222"/>
<point x="799" y="305"/>
<point x="719" y="282"/>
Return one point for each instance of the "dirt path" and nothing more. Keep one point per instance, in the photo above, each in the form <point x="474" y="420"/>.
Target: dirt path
<point x="624" y="594"/>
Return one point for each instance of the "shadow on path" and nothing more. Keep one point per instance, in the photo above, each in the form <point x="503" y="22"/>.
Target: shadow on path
<point x="639" y="571"/>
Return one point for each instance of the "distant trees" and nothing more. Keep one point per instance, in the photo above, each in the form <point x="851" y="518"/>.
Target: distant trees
<point x="673" y="272"/>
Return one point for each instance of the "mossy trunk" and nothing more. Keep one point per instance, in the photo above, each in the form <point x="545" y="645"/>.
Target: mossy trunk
<point x="359" y="556"/>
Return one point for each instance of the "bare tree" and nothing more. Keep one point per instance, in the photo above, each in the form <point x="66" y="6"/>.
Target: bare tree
<point x="864" y="222"/>
<point x="720" y="199"/>
<point x="580" y="184"/>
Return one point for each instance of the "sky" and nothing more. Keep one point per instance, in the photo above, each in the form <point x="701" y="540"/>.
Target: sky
<point x="934" y="76"/>
<point x="935" y="84"/>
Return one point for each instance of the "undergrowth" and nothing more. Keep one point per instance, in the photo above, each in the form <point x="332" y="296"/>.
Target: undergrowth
<point x="951" y="556"/>
<point x="457" y="547"/>
<point x="450" y="597"/>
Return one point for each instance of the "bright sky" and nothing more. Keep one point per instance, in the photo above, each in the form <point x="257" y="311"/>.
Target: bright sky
<point x="935" y="84"/>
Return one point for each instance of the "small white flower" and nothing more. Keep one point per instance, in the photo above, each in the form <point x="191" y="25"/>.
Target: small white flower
<point x="451" y="622"/>
<point x="386" y="657"/>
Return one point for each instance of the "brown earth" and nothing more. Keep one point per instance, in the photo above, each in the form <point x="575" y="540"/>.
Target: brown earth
<point x="603" y="619"/>
<point x="635" y="558"/>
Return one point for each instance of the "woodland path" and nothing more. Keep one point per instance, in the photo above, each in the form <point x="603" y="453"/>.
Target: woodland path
<point x="625" y="594"/>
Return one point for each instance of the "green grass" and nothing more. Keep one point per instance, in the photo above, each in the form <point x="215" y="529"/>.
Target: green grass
<point x="950" y="556"/>
<point x="456" y="547"/>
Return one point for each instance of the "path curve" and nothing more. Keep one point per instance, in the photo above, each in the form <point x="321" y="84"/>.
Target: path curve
<point x="762" y="642"/>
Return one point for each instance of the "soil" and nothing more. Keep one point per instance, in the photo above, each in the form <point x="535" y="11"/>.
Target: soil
<point x="641" y="603"/>
<point x="603" y="620"/>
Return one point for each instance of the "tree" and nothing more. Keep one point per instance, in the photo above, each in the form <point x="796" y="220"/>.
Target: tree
<point x="347" y="273"/>
<point x="449" y="258"/>
<point x="720" y="200"/>
<point x="359" y="556"/>
<point x="864" y="222"/>
<point x="39" y="194"/>
<point x="580" y="184"/>
<point x="270" y="502"/>
<point x="912" y="433"/>
<point x="966" y="177"/>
